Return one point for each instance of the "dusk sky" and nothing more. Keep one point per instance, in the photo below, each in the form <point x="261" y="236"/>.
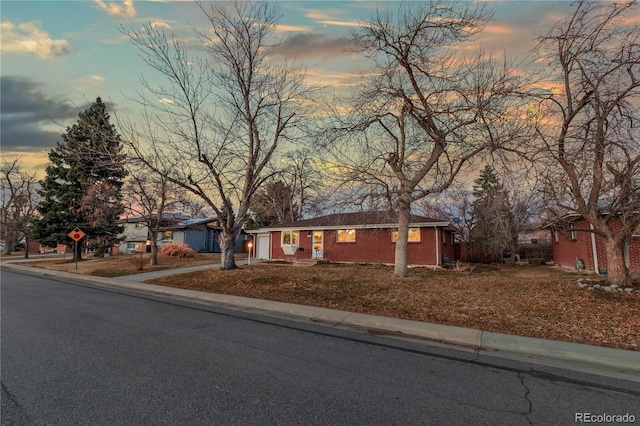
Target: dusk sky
<point x="58" y="56"/>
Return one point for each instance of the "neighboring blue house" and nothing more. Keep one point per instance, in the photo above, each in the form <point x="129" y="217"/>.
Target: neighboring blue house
<point x="201" y="234"/>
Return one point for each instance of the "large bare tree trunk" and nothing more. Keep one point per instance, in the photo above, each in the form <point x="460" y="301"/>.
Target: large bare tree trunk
<point x="617" y="271"/>
<point x="154" y="253"/>
<point x="404" y="215"/>
<point x="8" y="246"/>
<point x="153" y="236"/>
<point x="26" y="247"/>
<point x="227" y="248"/>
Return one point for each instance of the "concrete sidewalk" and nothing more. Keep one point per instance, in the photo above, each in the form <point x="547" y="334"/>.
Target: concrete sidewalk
<point x="168" y="272"/>
<point x="626" y="361"/>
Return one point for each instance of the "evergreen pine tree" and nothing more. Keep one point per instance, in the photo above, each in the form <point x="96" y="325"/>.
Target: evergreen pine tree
<point x="486" y="183"/>
<point x="82" y="186"/>
<point x="493" y="229"/>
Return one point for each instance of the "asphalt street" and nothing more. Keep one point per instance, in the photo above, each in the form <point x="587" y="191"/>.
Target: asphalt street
<point x="77" y="354"/>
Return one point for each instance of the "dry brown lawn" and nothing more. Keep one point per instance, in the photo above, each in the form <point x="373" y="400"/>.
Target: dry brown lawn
<point x="540" y="302"/>
<point x="543" y="302"/>
<point x="117" y="266"/>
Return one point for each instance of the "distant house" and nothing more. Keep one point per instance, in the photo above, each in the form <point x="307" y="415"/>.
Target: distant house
<point x="201" y="234"/>
<point x="367" y="237"/>
<point x="32" y="246"/>
<point x="534" y="245"/>
<point x="571" y="240"/>
<point x="135" y="236"/>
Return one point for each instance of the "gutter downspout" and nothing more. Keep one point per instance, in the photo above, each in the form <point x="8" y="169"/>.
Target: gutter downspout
<point x="435" y="228"/>
<point x="594" y="251"/>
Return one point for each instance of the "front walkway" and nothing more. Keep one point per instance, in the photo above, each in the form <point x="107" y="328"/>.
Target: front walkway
<point x="175" y="271"/>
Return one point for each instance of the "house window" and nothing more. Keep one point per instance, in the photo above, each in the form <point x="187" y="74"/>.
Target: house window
<point x="414" y="235"/>
<point x="346" y="235"/>
<point x="139" y="225"/>
<point x="444" y="237"/>
<point x="573" y="235"/>
<point x="131" y="246"/>
<point x="290" y="238"/>
<point x="167" y="236"/>
<point x="556" y="237"/>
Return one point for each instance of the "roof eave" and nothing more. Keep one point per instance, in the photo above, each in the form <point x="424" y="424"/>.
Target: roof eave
<point x="360" y="226"/>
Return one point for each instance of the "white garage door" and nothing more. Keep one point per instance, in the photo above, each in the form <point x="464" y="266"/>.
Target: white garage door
<point x="263" y="247"/>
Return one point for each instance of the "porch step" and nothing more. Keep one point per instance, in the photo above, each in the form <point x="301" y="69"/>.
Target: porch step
<point x="308" y="262"/>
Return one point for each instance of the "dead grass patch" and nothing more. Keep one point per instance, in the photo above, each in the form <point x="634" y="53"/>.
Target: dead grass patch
<point x="116" y="266"/>
<point x="537" y="302"/>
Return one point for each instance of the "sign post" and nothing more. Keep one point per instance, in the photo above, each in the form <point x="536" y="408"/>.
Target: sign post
<point x="76" y="235"/>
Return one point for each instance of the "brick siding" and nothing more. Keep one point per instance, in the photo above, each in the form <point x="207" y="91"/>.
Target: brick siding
<point x="370" y="246"/>
<point x="566" y="250"/>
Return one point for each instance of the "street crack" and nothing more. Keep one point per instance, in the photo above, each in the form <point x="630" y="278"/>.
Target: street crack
<point x="12" y="412"/>
<point x="526" y="397"/>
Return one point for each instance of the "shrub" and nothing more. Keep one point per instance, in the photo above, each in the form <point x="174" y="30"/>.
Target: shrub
<point x="180" y="250"/>
<point x="139" y="260"/>
<point x="99" y="252"/>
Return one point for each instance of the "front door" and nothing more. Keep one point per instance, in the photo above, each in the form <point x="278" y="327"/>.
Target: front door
<point x="318" y="244"/>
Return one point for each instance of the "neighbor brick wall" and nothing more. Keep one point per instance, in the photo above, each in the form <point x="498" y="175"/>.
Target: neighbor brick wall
<point x="371" y="246"/>
<point x="565" y="251"/>
<point x="34" y="246"/>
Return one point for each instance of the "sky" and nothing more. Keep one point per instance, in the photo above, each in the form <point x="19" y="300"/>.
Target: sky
<point x="57" y="57"/>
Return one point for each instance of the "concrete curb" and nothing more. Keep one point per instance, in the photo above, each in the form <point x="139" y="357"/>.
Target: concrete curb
<point x="438" y="332"/>
<point x="618" y="359"/>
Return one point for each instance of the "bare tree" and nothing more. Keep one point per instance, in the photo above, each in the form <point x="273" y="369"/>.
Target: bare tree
<point x="150" y="195"/>
<point x="426" y="109"/>
<point x="305" y="178"/>
<point x="291" y="193"/>
<point x="274" y="203"/>
<point x="455" y="205"/>
<point x="587" y="123"/>
<point x="229" y="108"/>
<point x="194" y="206"/>
<point x="18" y="204"/>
